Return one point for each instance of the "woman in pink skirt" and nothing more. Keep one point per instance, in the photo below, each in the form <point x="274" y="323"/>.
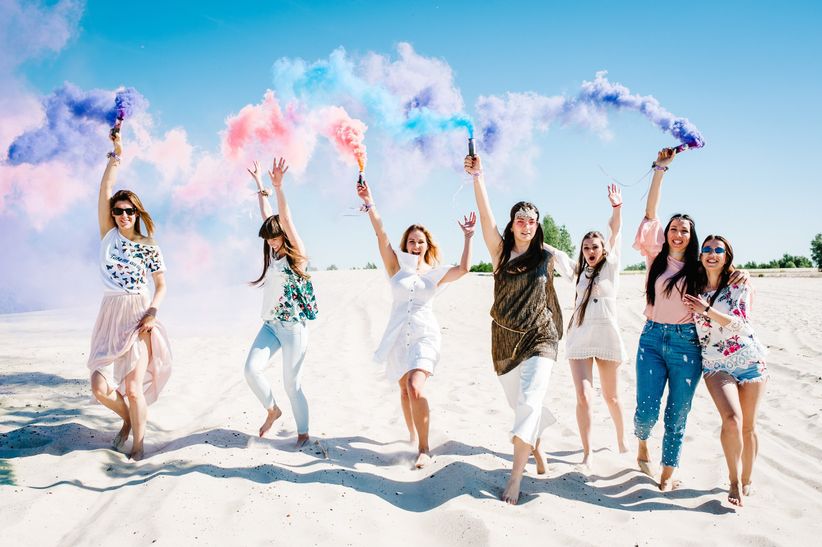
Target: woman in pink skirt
<point x="130" y="357"/>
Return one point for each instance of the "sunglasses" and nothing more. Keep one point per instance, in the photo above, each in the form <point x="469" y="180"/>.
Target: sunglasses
<point x="130" y="211"/>
<point x="716" y="250"/>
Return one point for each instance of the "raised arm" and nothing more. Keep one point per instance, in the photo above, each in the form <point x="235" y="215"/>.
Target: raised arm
<point x="278" y="171"/>
<point x="262" y="193"/>
<point x="615" y="224"/>
<point x="389" y="257"/>
<point x="467" y="225"/>
<point x="663" y="160"/>
<point x="490" y="231"/>
<point x="106" y="186"/>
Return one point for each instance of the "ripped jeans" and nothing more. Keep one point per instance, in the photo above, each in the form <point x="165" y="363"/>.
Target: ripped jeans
<point x="668" y="354"/>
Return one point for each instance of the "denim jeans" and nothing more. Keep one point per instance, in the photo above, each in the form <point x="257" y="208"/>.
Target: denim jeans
<point x="292" y="337"/>
<point x="668" y="354"/>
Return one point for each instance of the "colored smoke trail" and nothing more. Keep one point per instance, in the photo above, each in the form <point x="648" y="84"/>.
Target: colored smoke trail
<point x="74" y="126"/>
<point x="603" y="93"/>
<point x="347" y="134"/>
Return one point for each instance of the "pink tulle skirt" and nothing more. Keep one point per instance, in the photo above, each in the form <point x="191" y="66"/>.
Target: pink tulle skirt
<point x="114" y="348"/>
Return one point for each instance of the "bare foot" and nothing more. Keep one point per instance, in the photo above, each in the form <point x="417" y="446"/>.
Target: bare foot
<point x="412" y="438"/>
<point x="666" y="485"/>
<point x="586" y="463"/>
<point x="122" y="436"/>
<point x="423" y="459"/>
<point x="137" y="453"/>
<point x="273" y="414"/>
<point x="511" y="493"/>
<point x="302" y="439"/>
<point x="747" y="490"/>
<point x="622" y="448"/>
<point x="733" y="495"/>
<point x="646" y="467"/>
<point x="539" y="457"/>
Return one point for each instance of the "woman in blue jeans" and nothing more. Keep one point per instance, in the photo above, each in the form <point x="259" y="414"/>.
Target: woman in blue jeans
<point x="288" y="303"/>
<point x="669" y="352"/>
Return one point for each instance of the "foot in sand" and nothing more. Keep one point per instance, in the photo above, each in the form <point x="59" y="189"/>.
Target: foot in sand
<point x="666" y="485"/>
<point x="733" y="495"/>
<point x="423" y="459"/>
<point x="302" y="439"/>
<point x="586" y="463"/>
<point x="122" y="436"/>
<point x="273" y="414"/>
<point x="136" y="453"/>
<point x="643" y="459"/>
<point x="511" y="493"/>
<point x="747" y="489"/>
<point x="539" y="457"/>
<point x="622" y="448"/>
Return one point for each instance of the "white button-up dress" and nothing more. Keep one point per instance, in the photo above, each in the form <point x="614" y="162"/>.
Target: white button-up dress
<point x="412" y="338"/>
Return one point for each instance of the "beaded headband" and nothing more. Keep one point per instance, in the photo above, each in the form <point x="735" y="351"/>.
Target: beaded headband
<point x="526" y="212"/>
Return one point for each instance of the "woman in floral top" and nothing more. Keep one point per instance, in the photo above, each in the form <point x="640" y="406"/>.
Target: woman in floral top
<point x="288" y="302"/>
<point x="130" y="357"/>
<point x="733" y="360"/>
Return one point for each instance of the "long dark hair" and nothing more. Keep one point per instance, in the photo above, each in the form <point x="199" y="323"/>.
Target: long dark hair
<point x="727" y="268"/>
<point x="142" y="214"/>
<point x="579" y="313"/>
<point x="533" y="256"/>
<point x="270" y="229"/>
<point x="689" y="272"/>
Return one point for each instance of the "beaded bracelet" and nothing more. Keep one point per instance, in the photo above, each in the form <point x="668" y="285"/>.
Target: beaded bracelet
<point x="365" y="207"/>
<point x="658" y="167"/>
<point x="115" y="157"/>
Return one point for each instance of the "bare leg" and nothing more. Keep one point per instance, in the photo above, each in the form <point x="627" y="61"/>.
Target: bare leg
<point x="110" y="398"/>
<point x="521" y="452"/>
<point x="724" y="391"/>
<point x="749" y="396"/>
<point x="609" y="381"/>
<point x="583" y="375"/>
<point x="540" y="459"/>
<point x="420" y="413"/>
<point x="138" y="410"/>
<point x="666" y="479"/>
<point x="405" y="402"/>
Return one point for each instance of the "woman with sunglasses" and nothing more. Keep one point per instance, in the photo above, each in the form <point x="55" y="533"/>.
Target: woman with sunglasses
<point x="669" y="352"/>
<point x="593" y="331"/>
<point x="733" y="359"/>
<point x="410" y="346"/>
<point x="288" y="304"/>
<point x="526" y="319"/>
<point x="130" y="355"/>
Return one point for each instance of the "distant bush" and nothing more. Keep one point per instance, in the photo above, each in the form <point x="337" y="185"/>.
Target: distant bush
<point x="370" y="266"/>
<point x="816" y="251"/>
<point x="485" y="267"/>
<point x="331" y="268"/>
<point x="638" y="267"/>
<point x="787" y="261"/>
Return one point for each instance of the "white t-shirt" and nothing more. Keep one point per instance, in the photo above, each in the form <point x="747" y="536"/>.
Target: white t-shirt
<point x="125" y="265"/>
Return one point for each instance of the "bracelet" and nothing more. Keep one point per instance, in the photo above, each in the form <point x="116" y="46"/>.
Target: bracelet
<point x="476" y="174"/>
<point x="617" y="205"/>
<point x="113" y="156"/>
<point x="656" y="167"/>
<point x="708" y="307"/>
<point x="264" y="192"/>
<point x="365" y="207"/>
<point x="151" y="311"/>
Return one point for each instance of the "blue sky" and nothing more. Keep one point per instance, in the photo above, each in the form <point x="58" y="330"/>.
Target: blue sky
<point x="746" y="73"/>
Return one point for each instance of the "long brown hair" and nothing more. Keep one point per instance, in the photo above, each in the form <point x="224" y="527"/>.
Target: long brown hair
<point x="270" y="229"/>
<point x="727" y="268"/>
<point x="533" y="256"/>
<point x="432" y="253"/>
<point x="689" y="272"/>
<point x="579" y="313"/>
<point x="142" y="214"/>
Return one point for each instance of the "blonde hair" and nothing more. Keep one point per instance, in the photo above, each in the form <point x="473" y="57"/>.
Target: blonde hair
<point x="432" y="253"/>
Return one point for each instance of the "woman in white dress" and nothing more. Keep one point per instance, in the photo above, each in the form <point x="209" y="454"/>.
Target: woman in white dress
<point x="593" y="331"/>
<point x="410" y="346"/>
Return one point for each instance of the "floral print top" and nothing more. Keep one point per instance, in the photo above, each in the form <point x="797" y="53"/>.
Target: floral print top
<point x="287" y="296"/>
<point x="125" y="265"/>
<point x="734" y="345"/>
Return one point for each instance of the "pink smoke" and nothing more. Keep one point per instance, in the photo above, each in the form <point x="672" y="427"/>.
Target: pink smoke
<point x="346" y="133"/>
<point x="42" y="192"/>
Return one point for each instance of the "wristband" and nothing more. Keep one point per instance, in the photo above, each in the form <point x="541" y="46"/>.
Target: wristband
<point x="113" y="156"/>
<point x="617" y="205"/>
<point x="264" y="192"/>
<point x="151" y="311"/>
<point x="656" y="167"/>
<point x="706" y="309"/>
<point x="366" y="206"/>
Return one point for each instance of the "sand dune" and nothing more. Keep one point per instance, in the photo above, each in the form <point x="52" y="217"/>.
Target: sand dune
<point x="208" y="479"/>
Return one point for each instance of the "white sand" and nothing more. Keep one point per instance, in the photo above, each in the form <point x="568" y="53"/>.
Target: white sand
<point x="208" y="480"/>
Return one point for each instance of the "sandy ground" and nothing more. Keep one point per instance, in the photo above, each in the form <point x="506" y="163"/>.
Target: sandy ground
<point x="208" y="480"/>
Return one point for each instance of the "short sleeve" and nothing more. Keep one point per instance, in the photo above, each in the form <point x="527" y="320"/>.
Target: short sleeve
<point x="562" y="263"/>
<point x="739" y="301"/>
<point x="154" y="259"/>
<point x="615" y="253"/>
<point x="649" y="238"/>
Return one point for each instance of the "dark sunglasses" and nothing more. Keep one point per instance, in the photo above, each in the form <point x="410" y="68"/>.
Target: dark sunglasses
<point x="717" y="250"/>
<point x="130" y="211"/>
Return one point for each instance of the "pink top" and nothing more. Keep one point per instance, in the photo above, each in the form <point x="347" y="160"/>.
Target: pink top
<point x="667" y="309"/>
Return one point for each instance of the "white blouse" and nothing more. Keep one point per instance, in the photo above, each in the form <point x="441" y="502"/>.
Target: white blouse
<point x="125" y="265"/>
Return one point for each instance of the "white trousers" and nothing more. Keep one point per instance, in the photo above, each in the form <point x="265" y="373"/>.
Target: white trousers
<point x="525" y="389"/>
